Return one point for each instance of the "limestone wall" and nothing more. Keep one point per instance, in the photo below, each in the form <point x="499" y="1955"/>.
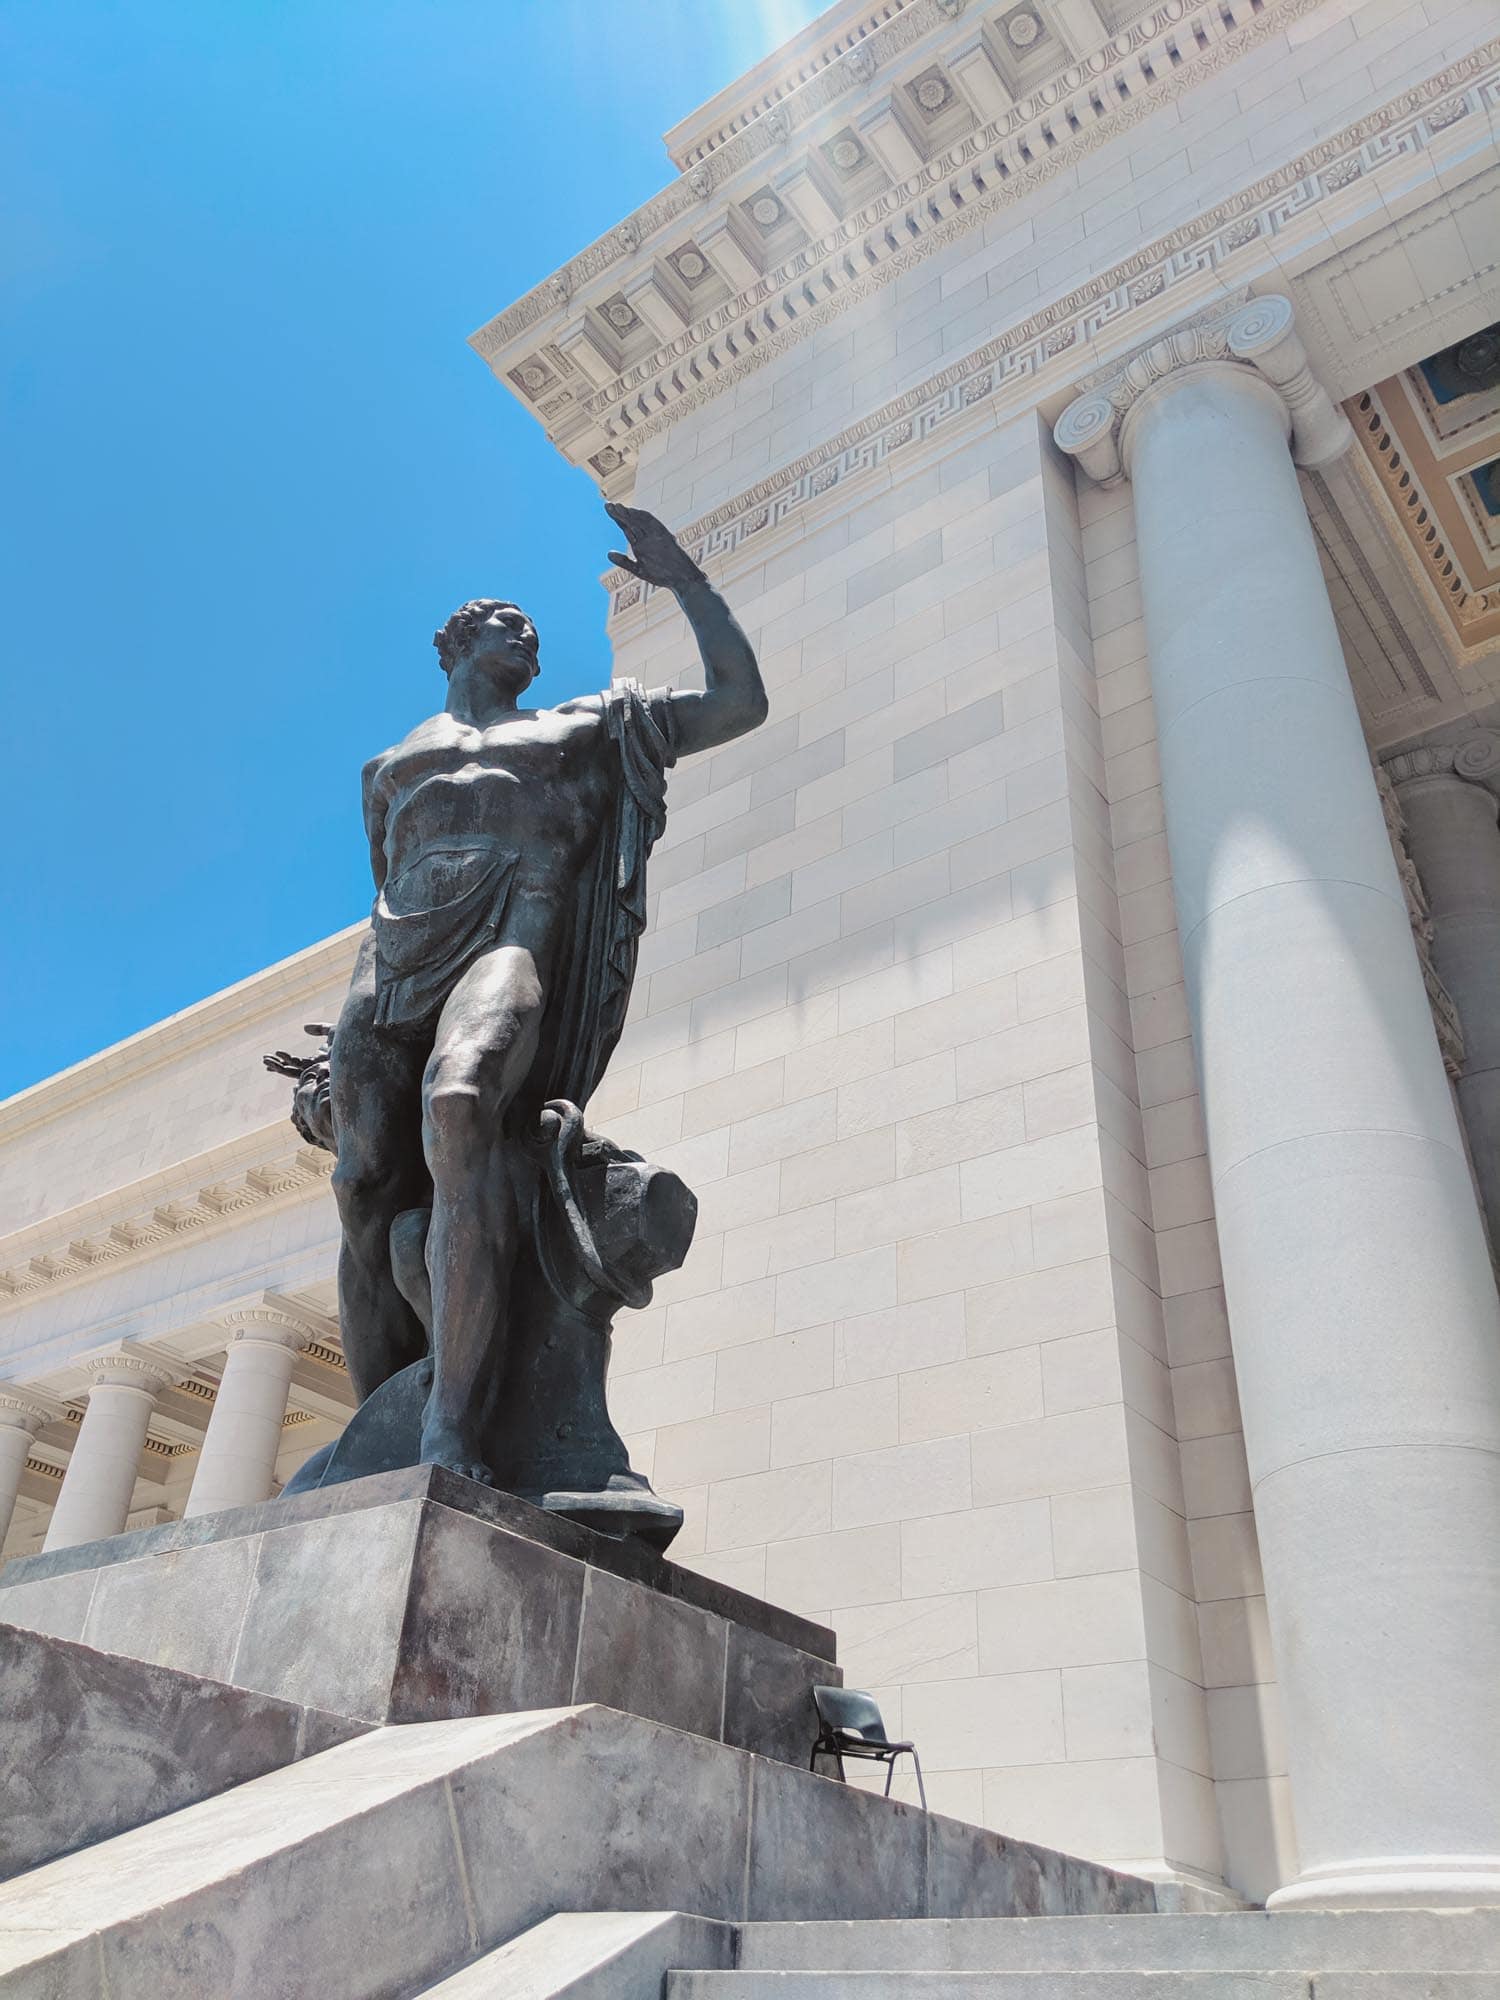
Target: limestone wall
<point x="915" y="1376"/>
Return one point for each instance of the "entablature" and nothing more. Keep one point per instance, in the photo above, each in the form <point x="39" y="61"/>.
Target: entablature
<point x="937" y="113"/>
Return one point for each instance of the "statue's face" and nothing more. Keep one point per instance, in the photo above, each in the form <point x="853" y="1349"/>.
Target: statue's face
<point x="505" y="647"/>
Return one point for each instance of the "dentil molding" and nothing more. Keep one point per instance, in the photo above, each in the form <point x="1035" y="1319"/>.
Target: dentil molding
<point x="66" y="1249"/>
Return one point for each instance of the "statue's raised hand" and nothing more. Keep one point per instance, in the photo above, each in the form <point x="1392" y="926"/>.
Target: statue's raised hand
<point x="656" y="556"/>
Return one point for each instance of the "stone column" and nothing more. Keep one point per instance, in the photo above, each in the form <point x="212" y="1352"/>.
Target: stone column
<point x="1362" y="1308"/>
<point x="237" y="1464"/>
<point x="1452" y="833"/>
<point x="94" y="1501"/>
<point x="22" y="1415"/>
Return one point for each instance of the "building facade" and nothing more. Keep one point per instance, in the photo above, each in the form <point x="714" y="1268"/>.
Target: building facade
<point x="1077" y="1009"/>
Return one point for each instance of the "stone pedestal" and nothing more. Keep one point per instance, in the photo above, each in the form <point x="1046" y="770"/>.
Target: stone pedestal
<point x="417" y="1596"/>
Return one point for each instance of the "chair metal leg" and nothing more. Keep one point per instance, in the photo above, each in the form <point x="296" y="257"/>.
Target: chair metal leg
<point x="838" y="1758"/>
<point x="921" y="1788"/>
<point x="890" y="1772"/>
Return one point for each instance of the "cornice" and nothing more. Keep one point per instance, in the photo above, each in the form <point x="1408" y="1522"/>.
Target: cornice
<point x="1149" y="64"/>
<point x="782" y="73"/>
<point x="1019" y="364"/>
<point x="204" y="1195"/>
<point x="766" y="134"/>
<point x="285" y="984"/>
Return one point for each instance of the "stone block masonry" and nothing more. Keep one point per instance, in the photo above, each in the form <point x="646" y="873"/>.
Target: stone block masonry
<point x="914" y="1378"/>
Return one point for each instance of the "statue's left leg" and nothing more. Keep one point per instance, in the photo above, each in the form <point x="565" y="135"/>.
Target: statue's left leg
<point x="485" y="1045"/>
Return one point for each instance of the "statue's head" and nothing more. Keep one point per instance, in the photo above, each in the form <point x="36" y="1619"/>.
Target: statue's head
<point x="497" y="635"/>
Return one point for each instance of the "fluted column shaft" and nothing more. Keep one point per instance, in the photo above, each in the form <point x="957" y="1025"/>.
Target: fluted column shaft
<point x="1362" y="1309"/>
<point x="94" y="1501"/>
<point x="1453" y="837"/>
<point x="237" y="1463"/>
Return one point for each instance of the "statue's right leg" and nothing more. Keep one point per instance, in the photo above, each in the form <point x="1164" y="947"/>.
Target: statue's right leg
<point x="376" y="1089"/>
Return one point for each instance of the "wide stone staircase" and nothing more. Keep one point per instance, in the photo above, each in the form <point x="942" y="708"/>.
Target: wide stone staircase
<point x="419" y="1740"/>
<point x="1242" y="1955"/>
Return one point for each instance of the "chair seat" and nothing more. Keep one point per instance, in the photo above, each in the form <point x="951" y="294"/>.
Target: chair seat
<point x="856" y="1745"/>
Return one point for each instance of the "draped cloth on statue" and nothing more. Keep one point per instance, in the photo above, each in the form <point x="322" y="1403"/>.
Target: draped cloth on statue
<point x="422" y="954"/>
<point x="597" y="968"/>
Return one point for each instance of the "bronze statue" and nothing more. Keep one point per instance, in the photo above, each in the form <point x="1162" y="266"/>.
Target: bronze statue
<point x="509" y="850"/>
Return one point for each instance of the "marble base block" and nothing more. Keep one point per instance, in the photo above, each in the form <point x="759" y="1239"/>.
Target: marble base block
<point x="416" y="1596"/>
<point x="92" y="1745"/>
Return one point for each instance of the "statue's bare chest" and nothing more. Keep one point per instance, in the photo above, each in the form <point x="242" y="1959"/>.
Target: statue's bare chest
<point x="537" y="766"/>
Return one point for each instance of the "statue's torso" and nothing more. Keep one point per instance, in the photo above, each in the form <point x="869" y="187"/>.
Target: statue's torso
<point x="533" y="789"/>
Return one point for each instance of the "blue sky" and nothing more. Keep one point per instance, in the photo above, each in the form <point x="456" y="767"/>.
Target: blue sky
<point x="250" y="462"/>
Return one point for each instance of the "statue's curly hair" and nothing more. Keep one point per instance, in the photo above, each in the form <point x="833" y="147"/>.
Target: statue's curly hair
<point x="452" y="639"/>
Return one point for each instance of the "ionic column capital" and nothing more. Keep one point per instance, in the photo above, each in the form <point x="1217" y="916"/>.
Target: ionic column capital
<point x="146" y="1369"/>
<point x="270" y="1324"/>
<point x="1474" y="760"/>
<point x="27" y="1409"/>
<point x="1258" y="337"/>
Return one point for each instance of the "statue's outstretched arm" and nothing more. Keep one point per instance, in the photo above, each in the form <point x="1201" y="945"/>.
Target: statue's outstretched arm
<point x="733" y="699"/>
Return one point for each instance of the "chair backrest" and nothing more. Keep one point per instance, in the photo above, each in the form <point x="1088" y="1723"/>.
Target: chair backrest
<point x="849" y="1708"/>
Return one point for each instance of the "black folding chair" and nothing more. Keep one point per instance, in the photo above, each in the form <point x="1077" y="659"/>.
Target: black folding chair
<point x="850" y="1725"/>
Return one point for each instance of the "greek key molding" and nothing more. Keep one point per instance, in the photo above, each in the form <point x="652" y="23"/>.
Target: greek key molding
<point x="1008" y="367"/>
<point x="1147" y="64"/>
<point x="990" y="170"/>
<point x="66" y="1249"/>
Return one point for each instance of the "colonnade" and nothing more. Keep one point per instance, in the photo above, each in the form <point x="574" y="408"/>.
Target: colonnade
<point x="236" y="1461"/>
<point x="1362" y="1305"/>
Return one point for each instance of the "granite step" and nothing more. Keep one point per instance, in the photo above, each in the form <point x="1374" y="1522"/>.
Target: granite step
<point x="1294" y="1941"/>
<point x="1364" y="1955"/>
<point x="1097" y="1985"/>
<point x="389" y="1862"/>
<point x="93" y="1743"/>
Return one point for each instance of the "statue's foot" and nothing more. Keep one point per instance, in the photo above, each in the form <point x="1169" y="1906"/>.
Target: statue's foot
<point x="452" y="1448"/>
